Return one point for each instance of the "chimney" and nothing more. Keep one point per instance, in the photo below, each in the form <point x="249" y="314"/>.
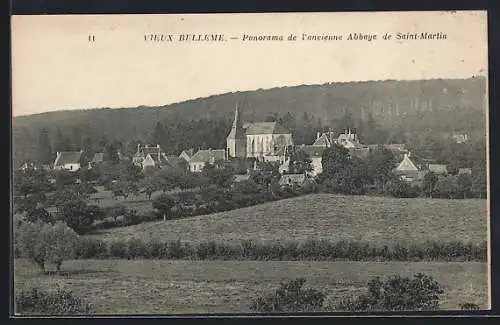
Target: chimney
<point x="158" y="146"/>
<point x="317" y="135"/>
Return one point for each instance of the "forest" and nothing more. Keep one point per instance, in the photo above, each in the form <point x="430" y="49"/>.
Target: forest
<point x="404" y="111"/>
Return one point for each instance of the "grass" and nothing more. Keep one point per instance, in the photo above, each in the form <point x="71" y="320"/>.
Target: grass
<point x="154" y="287"/>
<point x="378" y="220"/>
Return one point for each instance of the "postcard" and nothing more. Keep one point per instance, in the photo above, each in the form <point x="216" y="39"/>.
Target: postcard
<point x="173" y="164"/>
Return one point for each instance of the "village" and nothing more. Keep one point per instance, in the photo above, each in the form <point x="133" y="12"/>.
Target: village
<point x="265" y="142"/>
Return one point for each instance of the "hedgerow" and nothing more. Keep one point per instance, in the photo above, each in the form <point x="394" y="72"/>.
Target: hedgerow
<point x="312" y="250"/>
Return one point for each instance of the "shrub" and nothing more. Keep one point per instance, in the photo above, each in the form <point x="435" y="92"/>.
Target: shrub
<point x="59" y="243"/>
<point x="118" y="249"/>
<point x="136" y="248"/>
<point x="27" y="241"/>
<point x="90" y="248"/>
<point x="290" y="297"/>
<point x="42" y="242"/>
<point x="313" y="250"/>
<point x="60" y="302"/>
<point x="401" y="189"/>
<point x="396" y="294"/>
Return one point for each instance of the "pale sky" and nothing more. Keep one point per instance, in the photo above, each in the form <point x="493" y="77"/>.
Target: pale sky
<point x="55" y="67"/>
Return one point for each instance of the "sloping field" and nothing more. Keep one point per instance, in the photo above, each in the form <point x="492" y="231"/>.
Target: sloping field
<point x="378" y="220"/>
<point x="153" y="287"/>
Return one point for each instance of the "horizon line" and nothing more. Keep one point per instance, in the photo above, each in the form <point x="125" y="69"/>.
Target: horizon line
<point x="241" y="91"/>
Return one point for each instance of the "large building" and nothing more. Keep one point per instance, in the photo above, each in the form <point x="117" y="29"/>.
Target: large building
<point x="264" y="141"/>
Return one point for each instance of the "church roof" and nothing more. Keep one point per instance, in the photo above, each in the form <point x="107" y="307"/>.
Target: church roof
<point x="264" y="128"/>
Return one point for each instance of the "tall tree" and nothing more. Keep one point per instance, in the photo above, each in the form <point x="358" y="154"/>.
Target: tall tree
<point x="61" y="142"/>
<point x="44" y="149"/>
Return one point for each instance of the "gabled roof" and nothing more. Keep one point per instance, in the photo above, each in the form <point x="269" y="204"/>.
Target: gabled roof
<point x="188" y="152"/>
<point x="98" y="157"/>
<point x="406" y="165"/>
<point x="208" y="155"/>
<point x="438" y="168"/>
<point x="264" y="128"/>
<point x="322" y="141"/>
<point x="68" y="157"/>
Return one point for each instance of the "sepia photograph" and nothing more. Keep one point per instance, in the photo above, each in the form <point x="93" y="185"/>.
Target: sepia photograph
<point x="250" y="163"/>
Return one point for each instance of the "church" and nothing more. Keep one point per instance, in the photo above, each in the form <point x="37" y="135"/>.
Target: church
<point x="264" y="141"/>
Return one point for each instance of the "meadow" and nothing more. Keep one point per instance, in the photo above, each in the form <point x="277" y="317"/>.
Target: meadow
<point x="153" y="286"/>
<point x="377" y="220"/>
<point x="118" y="286"/>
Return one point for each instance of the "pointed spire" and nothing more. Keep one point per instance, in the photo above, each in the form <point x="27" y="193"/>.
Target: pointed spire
<point x="237" y="131"/>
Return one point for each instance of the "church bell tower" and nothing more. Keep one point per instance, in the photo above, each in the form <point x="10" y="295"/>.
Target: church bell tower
<point x="236" y="140"/>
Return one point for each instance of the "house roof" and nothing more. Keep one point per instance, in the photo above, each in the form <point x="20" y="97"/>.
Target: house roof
<point x="188" y="152"/>
<point x="68" y="157"/>
<point x="264" y="128"/>
<point x="322" y="141"/>
<point x="174" y="160"/>
<point x="98" y="157"/>
<point x="406" y="165"/>
<point x="401" y="147"/>
<point x="152" y="150"/>
<point x="241" y="178"/>
<point x="438" y="168"/>
<point x="292" y="178"/>
<point x="207" y="155"/>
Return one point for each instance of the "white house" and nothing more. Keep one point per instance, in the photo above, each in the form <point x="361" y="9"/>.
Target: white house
<point x="202" y="157"/>
<point x="68" y="160"/>
<point x="408" y="170"/>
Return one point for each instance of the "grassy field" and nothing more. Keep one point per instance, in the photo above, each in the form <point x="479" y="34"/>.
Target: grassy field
<point x="378" y="220"/>
<point x="152" y="287"/>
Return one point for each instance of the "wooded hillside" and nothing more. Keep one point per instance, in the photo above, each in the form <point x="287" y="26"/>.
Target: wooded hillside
<point x="405" y="107"/>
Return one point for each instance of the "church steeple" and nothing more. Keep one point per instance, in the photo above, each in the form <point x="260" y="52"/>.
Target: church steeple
<point x="236" y="140"/>
<point x="237" y="131"/>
